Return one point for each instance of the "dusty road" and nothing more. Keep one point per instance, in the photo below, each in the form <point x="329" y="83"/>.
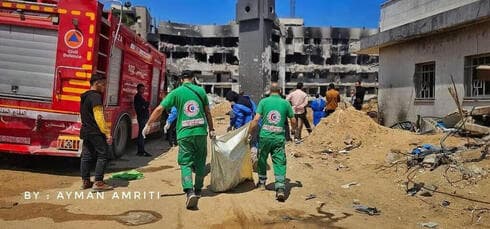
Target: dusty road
<point x="316" y="197"/>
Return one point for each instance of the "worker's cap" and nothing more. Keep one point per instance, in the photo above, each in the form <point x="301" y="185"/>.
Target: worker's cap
<point x="97" y="77"/>
<point x="186" y="74"/>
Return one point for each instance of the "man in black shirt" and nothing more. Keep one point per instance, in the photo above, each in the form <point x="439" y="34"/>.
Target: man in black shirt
<point x="95" y="134"/>
<point x="360" y="92"/>
<point x="142" y="114"/>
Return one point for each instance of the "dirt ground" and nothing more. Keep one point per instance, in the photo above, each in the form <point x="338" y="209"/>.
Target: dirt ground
<point x="317" y="172"/>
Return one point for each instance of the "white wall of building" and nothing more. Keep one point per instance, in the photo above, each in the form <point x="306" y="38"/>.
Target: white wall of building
<point x="448" y="50"/>
<point x="399" y="12"/>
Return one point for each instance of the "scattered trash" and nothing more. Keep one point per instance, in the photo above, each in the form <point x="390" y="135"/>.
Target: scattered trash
<point x="348" y="140"/>
<point x="341" y="166"/>
<point x="406" y="125"/>
<point x="128" y="175"/>
<point x="430" y="160"/>
<point x="327" y="151"/>
<point x="428" y="190"/>
<point x="346" y="186"/>
<point x="344" y="151"/>
<point x="425" y="149"/>
<point x="431" y="156"/>
<point x="367" y="210"/>
<point x="415" y="189"/>
<point x="445" y="203"/>
<point x="429" y="225"/>
<point x="422" y="189"/>
<point x="310" y="196"/>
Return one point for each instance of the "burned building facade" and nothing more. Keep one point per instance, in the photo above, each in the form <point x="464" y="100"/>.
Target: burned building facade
<point x="318" y="56"/>
<point x="289" y="53"/>
<point x="209" y="50"/>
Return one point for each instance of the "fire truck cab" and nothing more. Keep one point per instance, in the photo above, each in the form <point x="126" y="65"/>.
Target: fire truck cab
<point x="48" y="51"/>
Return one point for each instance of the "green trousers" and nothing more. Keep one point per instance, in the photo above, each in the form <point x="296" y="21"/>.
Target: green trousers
<point x="192" y="157"/>
<point x="274" y="147"/>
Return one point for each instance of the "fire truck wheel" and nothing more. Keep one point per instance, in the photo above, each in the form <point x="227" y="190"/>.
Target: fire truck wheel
<point x="120" y="138"/>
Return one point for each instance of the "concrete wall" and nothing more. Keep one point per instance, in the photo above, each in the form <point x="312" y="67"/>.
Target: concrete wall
<point x="448" y="50"/>
<point x="399" y="12"/>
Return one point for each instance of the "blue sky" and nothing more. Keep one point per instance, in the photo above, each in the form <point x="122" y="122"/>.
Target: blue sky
<point x="336" y="13"/>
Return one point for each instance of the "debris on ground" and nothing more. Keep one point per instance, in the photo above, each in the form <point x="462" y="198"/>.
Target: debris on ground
<point x="367" y="210"/>
<point x="445" y="203"/>
<point x="348" y="185"/>
<point x="428" y="190"/>
<point x="415" y="189"/>
<point x="310" y="196"/>
<point x="429" y="225"/>
<point x="128" y="175"/>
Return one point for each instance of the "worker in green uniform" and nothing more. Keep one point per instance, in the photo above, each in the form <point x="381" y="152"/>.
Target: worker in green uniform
<point x="193" y="118"/>
<point x="273" y="112"/>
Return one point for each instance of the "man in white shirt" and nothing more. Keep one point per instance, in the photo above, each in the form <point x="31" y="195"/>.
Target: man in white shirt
<point x="299" y="100"/>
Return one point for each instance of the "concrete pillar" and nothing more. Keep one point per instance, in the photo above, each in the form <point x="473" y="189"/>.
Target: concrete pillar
<point x="256" y="20"/>
<point x="282" y="61"/>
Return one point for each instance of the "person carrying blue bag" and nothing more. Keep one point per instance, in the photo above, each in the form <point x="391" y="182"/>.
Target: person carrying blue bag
<point x="242" y="110"/>
<point x="318" y="107"/>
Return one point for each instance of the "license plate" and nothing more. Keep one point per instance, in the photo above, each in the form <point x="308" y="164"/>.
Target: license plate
<point x="16" y="140"/>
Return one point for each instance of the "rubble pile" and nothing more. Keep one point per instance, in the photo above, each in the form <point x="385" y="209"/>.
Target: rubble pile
<point x="351" y="127"/>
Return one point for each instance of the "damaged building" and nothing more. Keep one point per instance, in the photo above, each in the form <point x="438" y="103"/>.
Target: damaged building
<point x="422" y="44"/>
<point x="209" y="50"/>
<point x="318" y="56"/>
<point x="292" y="52"/>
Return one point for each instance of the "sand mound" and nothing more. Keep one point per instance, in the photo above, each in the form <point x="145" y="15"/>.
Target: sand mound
<point x="349" y="126"/>
<point x="220" y="110"/>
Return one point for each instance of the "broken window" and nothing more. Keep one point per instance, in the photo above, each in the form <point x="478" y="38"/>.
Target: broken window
<point x="230" y="42"/>
<point x="424" y="80"/>
<point x="347" y="59"/>
<point x="275" y="57"/>
<point x="201" y="57"/>
<point x="231" y="59"/>
<point x="477" y="76"/>
<point x="297" y="59"/>
<point x="179" y="55"/>
<point x="216" y="58"/>
<point x="334" y="59"/>
<point x="316" y="59"/>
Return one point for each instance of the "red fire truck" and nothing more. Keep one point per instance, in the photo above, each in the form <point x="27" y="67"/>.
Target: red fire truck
<point x="48" y="51"/>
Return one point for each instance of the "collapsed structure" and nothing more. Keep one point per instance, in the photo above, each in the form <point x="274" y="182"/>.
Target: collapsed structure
<point x="259" y="47"/>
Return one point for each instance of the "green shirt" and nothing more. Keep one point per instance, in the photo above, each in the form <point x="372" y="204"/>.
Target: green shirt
<point x="191" y="118"/>
<point x="274" y="112"/>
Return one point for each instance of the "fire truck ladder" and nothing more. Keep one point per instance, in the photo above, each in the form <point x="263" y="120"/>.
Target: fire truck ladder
<point x="104" y="48"/>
